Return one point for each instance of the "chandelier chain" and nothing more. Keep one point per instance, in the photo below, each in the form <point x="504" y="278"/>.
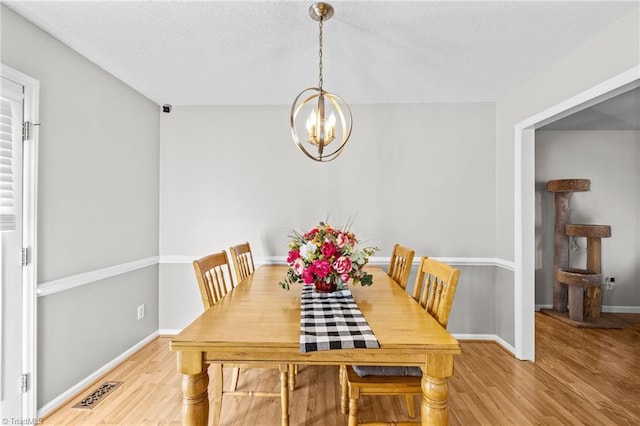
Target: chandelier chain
<point x="320" y="57"/>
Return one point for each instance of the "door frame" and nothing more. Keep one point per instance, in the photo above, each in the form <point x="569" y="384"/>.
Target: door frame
<point x="29" y="237"/>
<point x="524" y="199"/>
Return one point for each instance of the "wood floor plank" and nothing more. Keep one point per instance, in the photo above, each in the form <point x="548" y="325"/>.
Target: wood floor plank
<point x="580" y="377"/>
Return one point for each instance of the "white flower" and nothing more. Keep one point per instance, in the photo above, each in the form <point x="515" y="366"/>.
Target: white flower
<point x="307" y="250"/>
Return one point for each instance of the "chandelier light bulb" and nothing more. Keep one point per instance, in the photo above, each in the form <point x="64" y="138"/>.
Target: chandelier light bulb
<point x="321" y="131"/>
<point x="330" y="128"/>
<point x="312" y="126"/>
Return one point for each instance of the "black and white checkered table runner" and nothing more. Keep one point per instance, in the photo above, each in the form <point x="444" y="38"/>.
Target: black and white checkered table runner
<point x="332" y="321"/>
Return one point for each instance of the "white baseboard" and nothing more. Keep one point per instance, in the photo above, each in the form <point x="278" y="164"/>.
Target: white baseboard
<point x="78" y="387"/>
<point x="487" y="337"/>
<point x="505" y="345"/>
<point x="606" y="308"/>
<point x="622" y="309"/>
<point x="168" y="332"/>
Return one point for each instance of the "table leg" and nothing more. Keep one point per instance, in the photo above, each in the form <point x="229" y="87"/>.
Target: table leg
<point x="195" y="380"/>
<point x="435" y="389"/>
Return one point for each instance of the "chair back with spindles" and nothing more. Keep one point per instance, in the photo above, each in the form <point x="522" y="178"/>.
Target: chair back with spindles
<point x="400" y="264"/>
<point x="242" y="261"/>
<point x="435" y="287"/>
<point x="214" y="277"/>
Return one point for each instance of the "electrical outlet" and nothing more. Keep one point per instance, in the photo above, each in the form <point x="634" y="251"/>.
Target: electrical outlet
<point x="141" y="311"/>
<point x="609" y="283"/>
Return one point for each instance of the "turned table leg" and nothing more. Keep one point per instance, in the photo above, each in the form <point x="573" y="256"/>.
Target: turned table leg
<point x="195" y="380"/>
<point x="435" y="389"/>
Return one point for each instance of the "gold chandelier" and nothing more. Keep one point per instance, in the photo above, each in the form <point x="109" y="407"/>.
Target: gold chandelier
<point x="329" y="117"/>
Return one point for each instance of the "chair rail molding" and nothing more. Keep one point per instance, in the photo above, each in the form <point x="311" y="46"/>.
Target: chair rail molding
<point x="67" y="283"/>
<point x="375" y="261"/>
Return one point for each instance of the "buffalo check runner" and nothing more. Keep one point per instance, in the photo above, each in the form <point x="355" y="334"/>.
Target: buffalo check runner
<point x="332" y="321"/>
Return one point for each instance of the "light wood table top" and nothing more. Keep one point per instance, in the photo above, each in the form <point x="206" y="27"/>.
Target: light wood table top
<point x="259" y="322"/>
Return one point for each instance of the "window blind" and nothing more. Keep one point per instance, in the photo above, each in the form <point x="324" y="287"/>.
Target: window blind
<point x="10" y="136"/>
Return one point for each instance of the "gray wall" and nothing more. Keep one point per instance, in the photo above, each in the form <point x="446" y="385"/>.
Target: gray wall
<point x="82" y="329"/>
<point x="610" y="160"/>
<point x="474" y="307"/>
<point x="97" y="205"/>
<point x="504" y="311"/>
<point x="604" y="56"/>
<point x="421" y="175"/>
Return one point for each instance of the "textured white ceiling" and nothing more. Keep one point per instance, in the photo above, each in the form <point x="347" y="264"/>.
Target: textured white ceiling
<point x="240" y="52"/>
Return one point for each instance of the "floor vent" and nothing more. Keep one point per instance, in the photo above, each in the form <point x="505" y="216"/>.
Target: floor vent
<point x="97" y="395"/>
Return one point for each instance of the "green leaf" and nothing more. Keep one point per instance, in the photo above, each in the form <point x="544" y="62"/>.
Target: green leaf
<point x="367" y="280"/>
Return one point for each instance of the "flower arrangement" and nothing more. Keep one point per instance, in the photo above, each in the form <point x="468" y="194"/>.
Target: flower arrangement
<point x="327" y="255"/>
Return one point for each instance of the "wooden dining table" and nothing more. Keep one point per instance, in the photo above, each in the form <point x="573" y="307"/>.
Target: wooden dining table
<point x="259" y="322"/>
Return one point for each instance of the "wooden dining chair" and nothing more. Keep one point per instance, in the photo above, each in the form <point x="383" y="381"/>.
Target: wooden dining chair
<point x="399" y="270"/>
<point x="400" y="264"/>
<point x="244" y="266"/>
<point x="434" y="289"/>
<point x="242" y="260"/>
<point x="215" y="281"/>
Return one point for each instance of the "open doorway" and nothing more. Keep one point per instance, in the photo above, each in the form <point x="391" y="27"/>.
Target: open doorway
<point x="599" y="143"/>
<point x="524" y="200"/>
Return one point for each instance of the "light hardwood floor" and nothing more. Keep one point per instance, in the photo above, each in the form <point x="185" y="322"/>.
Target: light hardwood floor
<point x="581" y="376"/>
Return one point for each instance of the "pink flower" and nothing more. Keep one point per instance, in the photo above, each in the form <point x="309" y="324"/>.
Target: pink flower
<point x="307" y="275"/>
<point x="341" y="240"/>
<point x="293" y="255"/>
<point x="298" y="266"/>
<point x="345" y="278"/>
<point x="322" y="268"/>
<point x="342" y="265"/>
<point x="309" y="235"/>
<point x="328" y="250"/>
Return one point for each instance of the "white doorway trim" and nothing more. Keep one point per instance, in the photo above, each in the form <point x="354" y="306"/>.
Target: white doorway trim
<point x="29" y="237"/>
<point x="524" y="200"/>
